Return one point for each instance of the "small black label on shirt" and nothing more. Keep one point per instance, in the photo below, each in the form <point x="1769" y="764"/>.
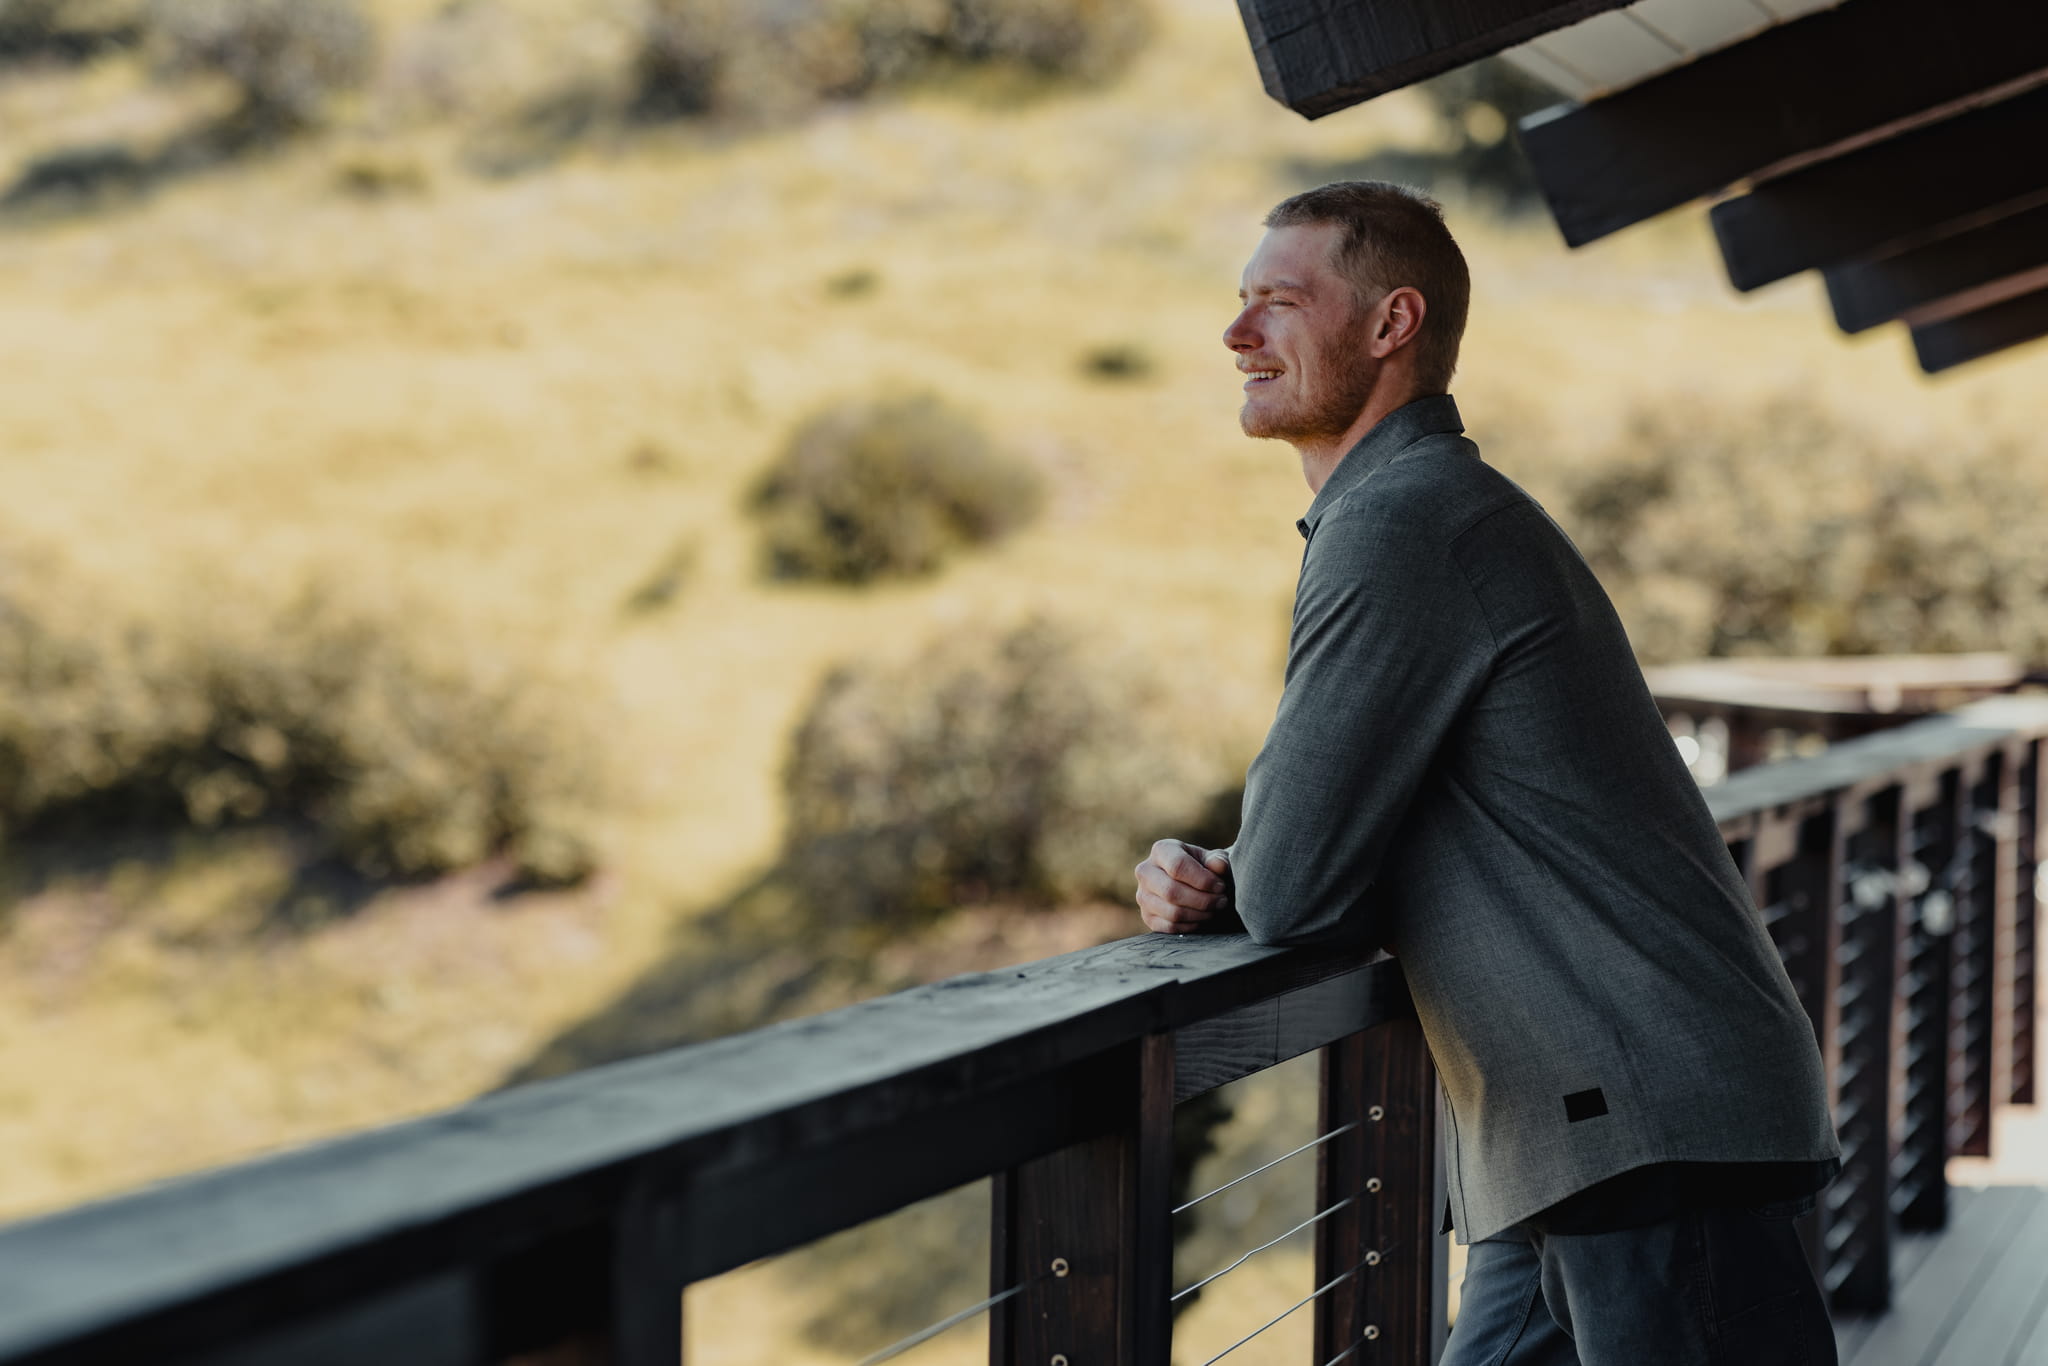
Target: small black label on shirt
<point x="1584" y="1105"/>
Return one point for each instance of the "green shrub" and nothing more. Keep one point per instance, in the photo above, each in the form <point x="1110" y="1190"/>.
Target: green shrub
<point x="889" y="487"/>
<point x="995" y="764"/>
<point x="699" y="57"/>
<point x="1078" y="38"/>
<point x="1117" y="361"/>
<point x="1783" y="529"/>
<point x="411" y="758"/>
<point x="66" y="30"/>
<point x="682" y="57"/>
<point x="286" y="57"/>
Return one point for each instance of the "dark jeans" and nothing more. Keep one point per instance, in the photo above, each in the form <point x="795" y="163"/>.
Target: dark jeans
<point x="1711" y="1287"/>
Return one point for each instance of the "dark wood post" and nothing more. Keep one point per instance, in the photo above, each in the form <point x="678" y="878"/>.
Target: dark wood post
<point x="549" y="1304"/>
<point x="1923" y="1072"/>
<point x="1383" y="1250"/>
<point x="1088" y="1232"/>
<point x="1975" y="950"/>
<point x="649" y="1251"/>
<point x="2024" y="912"/>
<point x="1859" y="1221"/>
<point x="1795" y="873"/>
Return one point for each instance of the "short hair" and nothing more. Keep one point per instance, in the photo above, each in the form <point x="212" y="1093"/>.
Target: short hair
<point x="1395" y="236"/>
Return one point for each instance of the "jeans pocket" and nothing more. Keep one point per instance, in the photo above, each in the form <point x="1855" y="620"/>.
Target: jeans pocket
<point x="1751" y="1261"/>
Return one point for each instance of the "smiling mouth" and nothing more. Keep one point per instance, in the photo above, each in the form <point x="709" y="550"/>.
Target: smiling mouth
<point x="1252" y="377"/>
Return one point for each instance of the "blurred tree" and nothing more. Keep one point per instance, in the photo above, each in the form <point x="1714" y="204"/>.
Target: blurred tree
<point x="892" y="487"/>
<point x="995" y="764"/>
<point x="1781" y="529"/>
<point x="411" y="756"/>
<point x="287" y="58"/>
<point x="66" y="30"/>
<point x="754" y="57"/>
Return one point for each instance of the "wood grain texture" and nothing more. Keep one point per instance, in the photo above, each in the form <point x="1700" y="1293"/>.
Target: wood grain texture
<point x="1087" y="1231"/>
<point x="199" y="1260"/>
<point x="1252" y="1038"/>
<point x="1799" y="89"/>
<point x="1385" y="1246"/>
<point x="1319" y="56"/>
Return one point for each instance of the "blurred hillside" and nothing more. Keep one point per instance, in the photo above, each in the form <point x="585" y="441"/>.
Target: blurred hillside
<point x="467" y="337"/>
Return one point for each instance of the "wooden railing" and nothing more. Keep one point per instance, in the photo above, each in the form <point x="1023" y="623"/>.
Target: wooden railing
<point x="561" y="1221"/>
<point x="1897" y="874"/>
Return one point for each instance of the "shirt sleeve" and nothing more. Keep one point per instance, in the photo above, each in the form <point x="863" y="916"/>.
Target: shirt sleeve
<point x="1389" y="646"/>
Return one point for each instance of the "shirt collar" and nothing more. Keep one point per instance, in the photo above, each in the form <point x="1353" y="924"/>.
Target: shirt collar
<point x="1390" y="436"/>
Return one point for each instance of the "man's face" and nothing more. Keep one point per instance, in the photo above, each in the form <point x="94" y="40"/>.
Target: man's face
<point x="1300" y="338"/>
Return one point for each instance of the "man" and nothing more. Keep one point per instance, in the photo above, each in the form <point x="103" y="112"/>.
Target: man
<point x="1467" y="767"/>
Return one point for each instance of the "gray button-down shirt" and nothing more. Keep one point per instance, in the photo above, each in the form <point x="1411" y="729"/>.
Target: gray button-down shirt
<point x="1467" y="767"/>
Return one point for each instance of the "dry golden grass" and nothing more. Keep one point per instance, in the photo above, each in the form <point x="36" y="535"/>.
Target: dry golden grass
<point x="446" y="390"/>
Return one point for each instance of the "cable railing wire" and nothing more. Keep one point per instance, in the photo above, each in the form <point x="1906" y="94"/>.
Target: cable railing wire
<point x="1340" y="1129"/>
<point x="927" y="1333"/>
<point x="1317" y="1217"/>
<point x="1341" y="1355"/>
<point x="930" y="1331"/>
<point x="1312" y="1296"/>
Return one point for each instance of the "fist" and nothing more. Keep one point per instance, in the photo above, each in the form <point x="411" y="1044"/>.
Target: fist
<point x="1180" y="885"/>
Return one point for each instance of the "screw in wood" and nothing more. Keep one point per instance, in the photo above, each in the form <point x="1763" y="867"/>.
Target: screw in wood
<point x="1376" y="1113"/>
<point x="1060" y="1268"/>
<point x="1059" y="1359"/>
<point x="1372" y="1259"/>
<point x="1372" y="1330"/>
<point x="1372" y="1184"/>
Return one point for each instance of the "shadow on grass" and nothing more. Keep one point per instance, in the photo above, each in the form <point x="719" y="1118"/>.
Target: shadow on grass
<point x="97" y="177"/>
<point x="320" y="888"/>
<point x="772" y="951"/>
<point x="750" y="961"/>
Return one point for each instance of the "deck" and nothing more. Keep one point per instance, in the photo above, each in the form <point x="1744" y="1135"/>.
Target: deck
<point x="1975" y="1294"/>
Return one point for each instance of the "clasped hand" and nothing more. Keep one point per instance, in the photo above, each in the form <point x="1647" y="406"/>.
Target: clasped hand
<point x="1181" y="885"/>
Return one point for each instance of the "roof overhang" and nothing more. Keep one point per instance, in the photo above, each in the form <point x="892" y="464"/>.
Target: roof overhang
<point x="1900" y="148"/>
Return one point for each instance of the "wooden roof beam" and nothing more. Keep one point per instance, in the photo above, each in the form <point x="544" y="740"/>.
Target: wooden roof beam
<point x="1954" y="274"/>
<point x="1319" y="56"/>
<point x="1972" y="336"/>
<point x="1915" y="187"/>
<point x="1799" y="90"/>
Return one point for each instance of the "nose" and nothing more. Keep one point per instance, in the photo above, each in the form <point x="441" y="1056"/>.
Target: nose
<point x="1241" y="335"/>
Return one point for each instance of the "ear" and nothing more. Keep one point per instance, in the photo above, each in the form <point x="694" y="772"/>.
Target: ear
<point x="1398" y="317"/>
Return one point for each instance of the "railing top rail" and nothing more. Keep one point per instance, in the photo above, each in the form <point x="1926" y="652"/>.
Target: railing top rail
<point x="1854" y="767"/>
<point x="560" y="1153"/>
